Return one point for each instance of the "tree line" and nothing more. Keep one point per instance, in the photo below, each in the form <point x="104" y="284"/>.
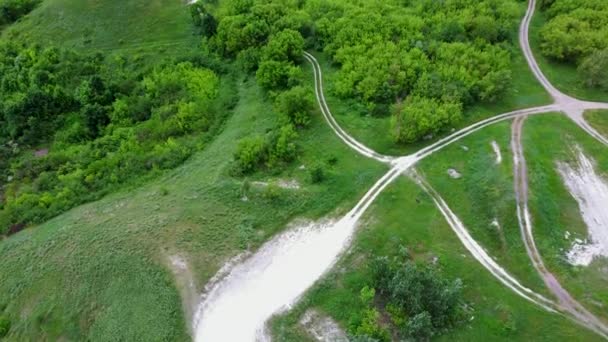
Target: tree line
<point x="75" y="126"/>
<point x="577" y="33"/>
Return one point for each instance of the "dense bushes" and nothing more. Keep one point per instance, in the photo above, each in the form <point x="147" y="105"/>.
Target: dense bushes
<point x="577" y="33"/>
<point x="416" y="301"/>
<point x="454" y="52"/>
<point x="102" y="124"/>
<point x="11" y="10"/>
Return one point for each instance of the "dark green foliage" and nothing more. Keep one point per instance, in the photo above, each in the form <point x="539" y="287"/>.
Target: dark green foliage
<point x="295" y="105"/>
<point x="5" y="325"/>
<point x="11" y="10"/>
<point x="419" y="117"/>
<point x="594" y="70"/>
<point x="576" y="29"/>
<point x="316" y="173"/>
<point x="418" y="300"/>
<point x="103" y="124"/>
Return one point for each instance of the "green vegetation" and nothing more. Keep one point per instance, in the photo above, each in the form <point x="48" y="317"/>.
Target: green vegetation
<point x="390" y="51"/>
<point x="74" y="127"/>
<point x="99" y="271"/>
<point x="12" y="10"/>
<point x="569" y="38"/>
<point x="599" y="120"/>
<point x="490" y="310"/>
<point x="484" y="196"/>
<point x="147" y="31"/>
<point x="373" y="130"/>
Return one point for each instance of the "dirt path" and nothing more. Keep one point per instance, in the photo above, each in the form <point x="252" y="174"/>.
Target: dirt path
<point x="566" y="303"/>
<point x="350" y="141"/>
<point x="478" y="252"/>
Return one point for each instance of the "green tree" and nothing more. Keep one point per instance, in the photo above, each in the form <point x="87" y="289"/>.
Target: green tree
<point x="276" y="75"/>
<point x="286" y="45"/>
<point x="419" y="117"/>
<point x="296" y="105"/>
<point x="594" y="70"/>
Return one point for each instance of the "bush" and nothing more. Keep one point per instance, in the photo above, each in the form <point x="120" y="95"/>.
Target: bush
<point x="250" y="153"/>
<point x="296" y="105"/>
<point x="316" y="173"/>
<point x="419" y="117"/>
<point x="5" y="326"/>
<point x="594" y="70"/>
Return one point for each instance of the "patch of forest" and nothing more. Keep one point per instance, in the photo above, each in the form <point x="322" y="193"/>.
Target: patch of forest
<point x="576" y="33"/>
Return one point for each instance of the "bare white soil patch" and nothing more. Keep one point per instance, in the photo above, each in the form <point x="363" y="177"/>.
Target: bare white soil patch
<point x="289" y="184"/>
<point x="591" y="192"/>
<point x="269" y="281"/>
<point x="322" y="327"/>
<point x="454" y="174"/>
<point x="496" y="149"/>
<point x="185" y="283"/>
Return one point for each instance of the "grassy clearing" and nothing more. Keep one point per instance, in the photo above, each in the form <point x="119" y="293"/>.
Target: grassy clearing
<point x="599" y="120"/>
<point x="484" y="193"/>
<point x="375" y="131"/>
<point x="154" y="29"/>
<point x="548" y="139"/>
<point x="563" y="76"/>
<point x="98" y="272"/>
<point x="404" y="215"/>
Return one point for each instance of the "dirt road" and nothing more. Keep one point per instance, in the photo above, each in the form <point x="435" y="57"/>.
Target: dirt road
<point x="567" y="304"/>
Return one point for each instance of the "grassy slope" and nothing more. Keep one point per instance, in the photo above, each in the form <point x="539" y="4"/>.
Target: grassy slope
<point x="484" y="193"/>
<point x="375" y="131"/>
<point x="563" y="76"/>
<point x="404" y="215"/>
<point x="547" y="140"/>
<point x="155" y="28"/>
<point x="97" y="272"/>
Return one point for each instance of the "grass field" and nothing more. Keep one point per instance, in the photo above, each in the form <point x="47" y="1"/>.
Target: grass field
<point x="153" y="29"/>
<point x="599" y="120"/>
<point x="563" y="76"/>
<point x="484" y="193"/>
<point x="404" y="215"/>
<point x="375" y="131"/>
<point x="549" y="139"/>
<point x="98" y="272"/>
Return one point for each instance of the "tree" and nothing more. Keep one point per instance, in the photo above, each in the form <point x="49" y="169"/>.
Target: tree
<point x="594" y="70"/>
<point x="287" y="45"/>
<point x="275" y="75"/>
<point x="419" y="117"/>
<point x="296" y="105"/>
<point x="250" y="153"/>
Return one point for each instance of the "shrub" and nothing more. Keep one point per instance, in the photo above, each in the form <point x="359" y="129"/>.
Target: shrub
<point x="250" y="153"/>
<point x="594" y="70"/>
<point x="316" y="173"/>
<point x="5" y="325"/>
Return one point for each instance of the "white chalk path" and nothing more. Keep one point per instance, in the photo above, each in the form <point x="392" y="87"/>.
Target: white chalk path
<point x="591" y="193"/>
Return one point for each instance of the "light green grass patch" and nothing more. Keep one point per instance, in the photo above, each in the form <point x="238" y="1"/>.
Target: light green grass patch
<point x="151" y="28"/>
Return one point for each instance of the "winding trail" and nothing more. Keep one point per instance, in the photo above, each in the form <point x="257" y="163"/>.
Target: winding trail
<point x="221" y="303"/>
<point x="348" y="140"/>
<point x="566" y="302"/>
